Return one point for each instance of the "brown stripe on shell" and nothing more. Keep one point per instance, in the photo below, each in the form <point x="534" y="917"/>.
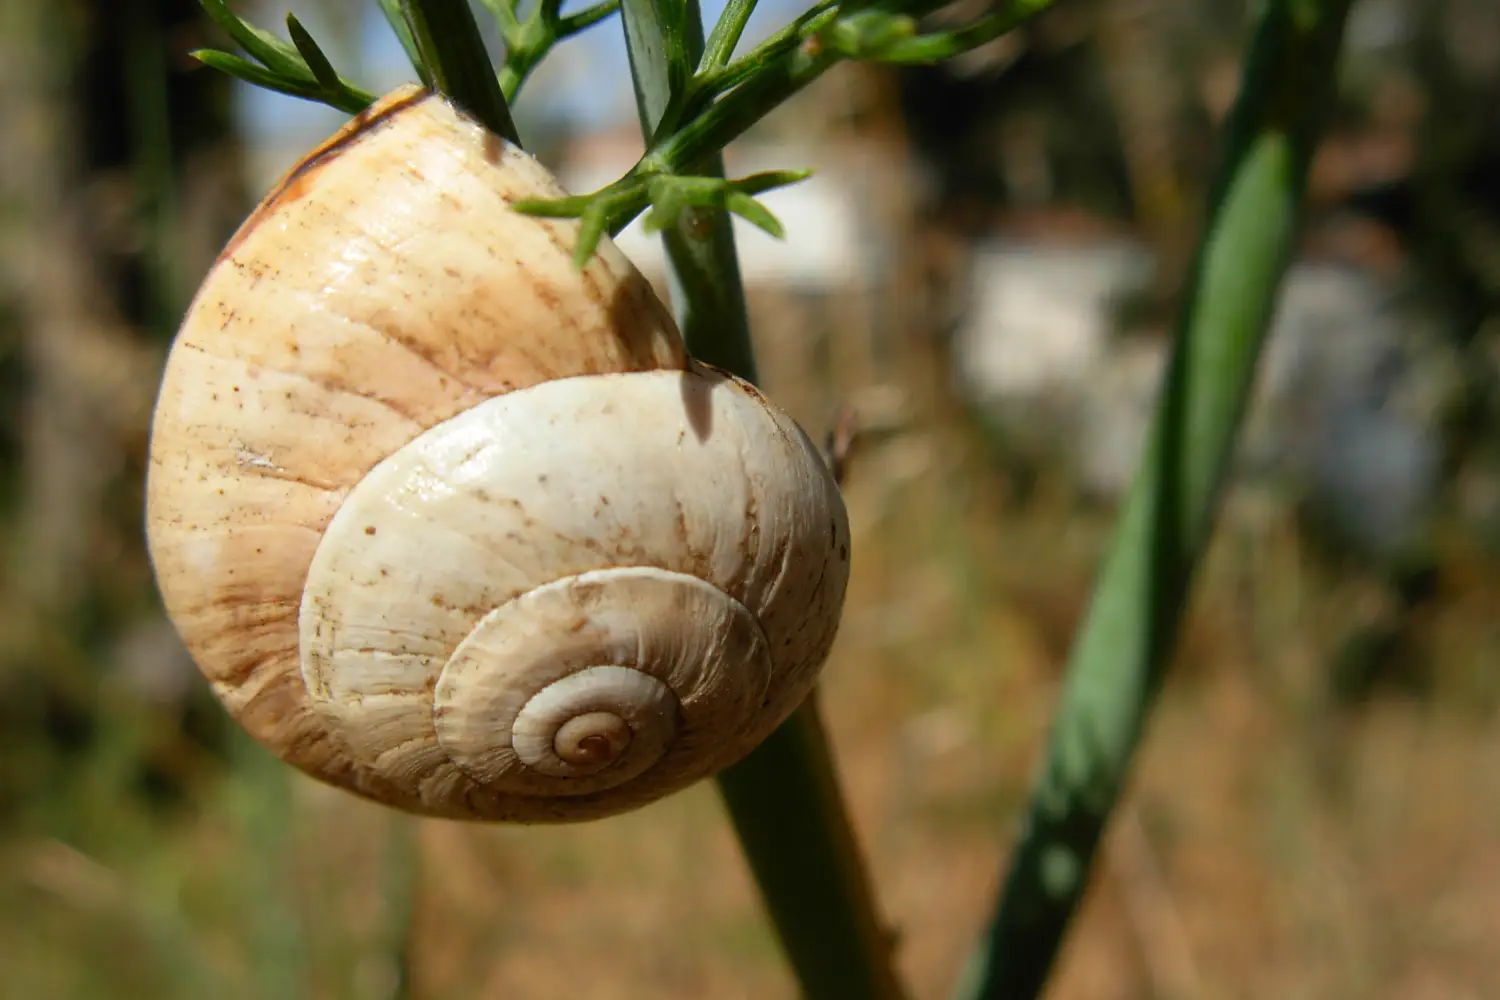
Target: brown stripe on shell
<point x="297" y="181"/>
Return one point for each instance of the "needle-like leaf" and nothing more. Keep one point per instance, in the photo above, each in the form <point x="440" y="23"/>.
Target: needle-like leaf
<point x="261" y="45"/>
<point x="754" y="212"/>
<point x="769" y="179"/>
<point x="321" y="69"/>
<point x="347" y="99"/>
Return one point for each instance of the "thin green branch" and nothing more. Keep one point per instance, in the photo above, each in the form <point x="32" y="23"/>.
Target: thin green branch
<point x="519" y="62"/>
<point x="720" y="105"/>
<point x="726" y="35"/>
<point x="264" y="47"/>
<point x="940" y="46"/>
<point x="297" y="70"/>
<point x="748" y="89"/>
<point x="448" y="41"/>
<point x="504" y="13"/>
<point x="528" y="40"/>
<point x="587" y="18"/>
<point x="348" y="99"/>
<point x="712" y="82"/>
<point x="1121" y="653"/>
<point x="671" y="196"/>
<point x="729" y="117"/>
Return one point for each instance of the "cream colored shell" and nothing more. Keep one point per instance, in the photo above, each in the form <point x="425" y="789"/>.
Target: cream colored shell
<point x="459" y="527"/>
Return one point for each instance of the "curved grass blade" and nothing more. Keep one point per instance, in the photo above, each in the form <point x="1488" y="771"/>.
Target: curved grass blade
<point x="1121" y="652"/>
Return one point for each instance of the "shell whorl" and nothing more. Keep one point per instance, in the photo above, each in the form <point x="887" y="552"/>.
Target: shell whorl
<point x="455" y="525"/>
<point x="654" y="559"/>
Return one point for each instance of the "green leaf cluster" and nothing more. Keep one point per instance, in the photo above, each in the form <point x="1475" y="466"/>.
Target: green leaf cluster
<point x="709" y="107"/>
<point x="669" y="197"/>
<point x="528" y="39"/>
<point x="299" y="69"/>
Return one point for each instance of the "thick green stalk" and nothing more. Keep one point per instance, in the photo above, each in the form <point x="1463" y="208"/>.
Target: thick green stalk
<point x="1122" y="650"/>
<point x="789" y="814"/>
<point x="784" y="798"/>
<point x="447" y="38"/>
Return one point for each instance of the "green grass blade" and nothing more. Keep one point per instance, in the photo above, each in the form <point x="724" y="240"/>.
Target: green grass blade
<point x="1120" y="655"/>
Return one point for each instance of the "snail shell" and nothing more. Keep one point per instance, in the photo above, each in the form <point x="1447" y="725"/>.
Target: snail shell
<point x="455" y="525"/>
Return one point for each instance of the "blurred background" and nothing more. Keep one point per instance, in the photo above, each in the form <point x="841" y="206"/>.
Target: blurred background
<point x="985" y="267"/>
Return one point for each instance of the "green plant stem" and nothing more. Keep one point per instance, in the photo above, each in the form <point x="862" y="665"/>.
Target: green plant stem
<point x="516" y="69"/>
<point x="927" y="49"/>
<point x="704" y="277"/>
<point x="783" y="799"/>
<point x="789" y="814"/>
<point x="718" y="105"/>
<point x="714" y="80"/>
<point x="726" y="34"/>
<point x="771" y="84"/>
<point x="447" y="37"/>
<point x="528" y="42"/>
<point x="791" y="59"/>
<point x="586" y="18"/>
<point x="1121" y="653"/>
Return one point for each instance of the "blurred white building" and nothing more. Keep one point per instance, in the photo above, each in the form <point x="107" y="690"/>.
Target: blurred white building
<point x="1346" y="408"/>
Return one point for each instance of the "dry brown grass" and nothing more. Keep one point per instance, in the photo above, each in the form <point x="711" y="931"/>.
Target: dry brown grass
<point x="1273" y="845"/>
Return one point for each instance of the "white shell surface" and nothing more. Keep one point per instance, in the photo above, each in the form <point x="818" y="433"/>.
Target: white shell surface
<point x="429" y="596"/>
<point x="622" y="709"/>
<point x="541" y="658"/>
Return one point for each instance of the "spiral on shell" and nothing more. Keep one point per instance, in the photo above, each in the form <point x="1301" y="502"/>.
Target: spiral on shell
<point x="455" y="525"/>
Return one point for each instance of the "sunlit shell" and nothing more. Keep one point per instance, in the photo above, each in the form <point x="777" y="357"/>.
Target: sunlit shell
<point x="453" y="524"/>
